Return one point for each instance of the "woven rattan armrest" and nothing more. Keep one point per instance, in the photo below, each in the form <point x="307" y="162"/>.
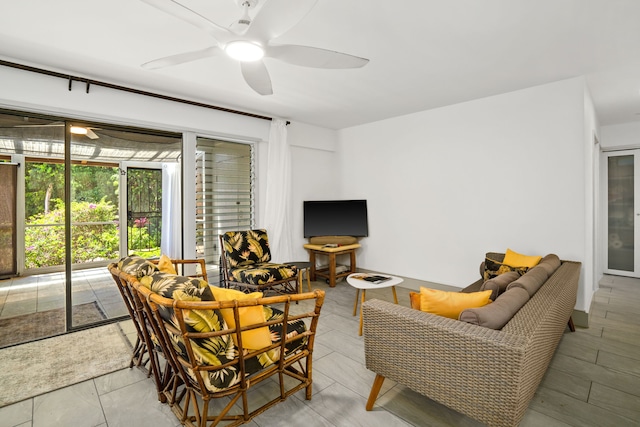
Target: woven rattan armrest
<point x="465" y="367"/>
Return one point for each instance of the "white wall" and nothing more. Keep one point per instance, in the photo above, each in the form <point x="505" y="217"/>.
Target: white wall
<point x="29" y="91"/>
<point x="315" y="174"/>
<point x="447" y="185"/>
<point x="620" y="137"/>
<point x="592" y="271"/>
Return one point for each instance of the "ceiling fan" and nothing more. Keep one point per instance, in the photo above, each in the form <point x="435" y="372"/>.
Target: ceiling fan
<point x="249" y="40"/>
<point x="76" y="130"/>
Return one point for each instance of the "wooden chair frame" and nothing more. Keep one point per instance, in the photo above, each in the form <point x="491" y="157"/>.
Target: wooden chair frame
<point x="179" y="265"/>
<point x="142" y="356"/>
<point x="145" y="352"/>
<point x="188" y="396"/>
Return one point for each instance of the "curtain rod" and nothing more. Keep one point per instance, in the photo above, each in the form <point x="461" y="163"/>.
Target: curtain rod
<point x="90" y="82"/>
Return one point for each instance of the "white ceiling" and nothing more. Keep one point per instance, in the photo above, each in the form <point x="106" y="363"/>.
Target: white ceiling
<point x="423" y="53"/>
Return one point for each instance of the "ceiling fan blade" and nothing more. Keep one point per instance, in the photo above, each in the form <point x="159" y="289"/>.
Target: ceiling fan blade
<point x="256" y="75"/>
<point x="91" y="134"/>
<point x="181" y="58"/>
<point x="190" y="16"/>
<point x="307" y="56"/>
<point x="277" y="16"/>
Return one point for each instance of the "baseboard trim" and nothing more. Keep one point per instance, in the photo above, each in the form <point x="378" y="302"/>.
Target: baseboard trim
<point x="580" y="318"/>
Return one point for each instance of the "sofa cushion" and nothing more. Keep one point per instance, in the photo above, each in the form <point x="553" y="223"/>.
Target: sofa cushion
<point x="498" y="313"/>
<point x="531" y="281"/>
<point x="450" y="304"/>
<point x="252" y="339"/>
<point x="514" y="259"/>
<point x="137" y="266"/>
<point x="498" y="284"/>
<point x="165" y="265"/>
<point x="414" y="299"/>
<point x="260" y="274"/>
<point x="550" y="263"/>
<point x="493" y="266"/>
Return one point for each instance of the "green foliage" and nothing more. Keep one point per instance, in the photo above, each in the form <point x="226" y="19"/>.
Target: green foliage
<point x="44" y="243"/>
<point x="40" y="178"/>
<point x="139" y="238"/>
<point x="95" y="231"/>
<point x="88" y="184"/>
<point x="91" y="183"/>
<point x="146" y="253"/>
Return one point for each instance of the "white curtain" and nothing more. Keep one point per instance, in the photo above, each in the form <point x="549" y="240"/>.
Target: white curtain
<point x="277" y="219"/>
<point x="171" y="243"/>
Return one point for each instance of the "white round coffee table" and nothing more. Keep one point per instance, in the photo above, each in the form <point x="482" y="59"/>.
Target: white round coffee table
<point x="357" y="281"/>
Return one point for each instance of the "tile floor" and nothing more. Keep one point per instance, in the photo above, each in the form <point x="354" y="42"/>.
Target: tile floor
<point x="593" y="380"/>
<point x="29" y="294"/>
<point x="42" y="292"/>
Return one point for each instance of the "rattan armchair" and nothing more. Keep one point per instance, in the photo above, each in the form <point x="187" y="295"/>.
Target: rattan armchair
<point x="208" y="360"/>
<point x="246" y="264"/>
<point x="181" y="267"/>
<point x="147" y="352"/>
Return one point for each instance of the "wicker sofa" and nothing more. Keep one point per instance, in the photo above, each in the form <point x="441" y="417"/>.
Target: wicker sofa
<point x="489" y="375"/>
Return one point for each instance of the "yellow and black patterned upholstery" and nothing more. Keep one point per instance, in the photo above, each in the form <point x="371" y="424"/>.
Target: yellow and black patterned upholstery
<point x="208" y="359"/>
<point x="219" y="350"/>
<point x="246" y="264"/>
<point x="263" y="273"/>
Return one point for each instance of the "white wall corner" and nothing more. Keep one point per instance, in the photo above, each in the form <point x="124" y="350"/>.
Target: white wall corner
<point x="590" y="276"/>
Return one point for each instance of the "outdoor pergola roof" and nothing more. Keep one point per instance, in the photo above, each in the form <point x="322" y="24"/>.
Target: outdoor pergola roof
<point x="37" y="137"/>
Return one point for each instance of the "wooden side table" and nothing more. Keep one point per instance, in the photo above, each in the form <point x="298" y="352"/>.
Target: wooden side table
<point x="303" y="267"/>
<point x="330" y="272"/>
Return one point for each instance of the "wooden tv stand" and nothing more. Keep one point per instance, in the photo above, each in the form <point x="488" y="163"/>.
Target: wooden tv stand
<point x="330" y="272"/>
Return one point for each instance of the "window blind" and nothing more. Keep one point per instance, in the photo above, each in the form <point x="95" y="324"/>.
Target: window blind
<point x="224" y="193"/>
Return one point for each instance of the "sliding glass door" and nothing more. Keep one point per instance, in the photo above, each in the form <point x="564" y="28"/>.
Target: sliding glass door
<point x="70" y="211"/>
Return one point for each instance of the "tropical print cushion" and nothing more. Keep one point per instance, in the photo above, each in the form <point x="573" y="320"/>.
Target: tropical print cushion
<point x="220" y="350"/>
<point x="259" y="274"/>
<point x="246" y="247"/>
<point x="294" y="327"/>
<point x="494" y="268"/>
<point x="137" y="266"/>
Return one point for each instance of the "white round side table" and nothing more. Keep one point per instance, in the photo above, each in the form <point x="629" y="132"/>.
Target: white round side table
<point x="361" y="284"/>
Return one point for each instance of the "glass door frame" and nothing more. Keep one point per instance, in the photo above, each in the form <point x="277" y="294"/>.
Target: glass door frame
<point x="64" y="147"/>
<point x="124" y="191"/>
<point x="636" y="214"/>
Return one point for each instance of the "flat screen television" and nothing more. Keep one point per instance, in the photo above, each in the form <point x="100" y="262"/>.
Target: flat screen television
<point x="335" y="218"/>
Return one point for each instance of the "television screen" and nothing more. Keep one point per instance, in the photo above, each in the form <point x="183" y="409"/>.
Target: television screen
<point x="336" y="218"/>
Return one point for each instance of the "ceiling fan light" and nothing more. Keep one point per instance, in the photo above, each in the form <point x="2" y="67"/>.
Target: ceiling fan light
<point x="78" y="130"/>
<point x="244" y="51"/>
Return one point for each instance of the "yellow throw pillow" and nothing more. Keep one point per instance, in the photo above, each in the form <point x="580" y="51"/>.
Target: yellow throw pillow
<point x="253" y="339"/>
<point x="514" y="259"/>
<point x="451" y="304"/>
<point x="414" y="299"/>
<point x="165" y="265"/>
